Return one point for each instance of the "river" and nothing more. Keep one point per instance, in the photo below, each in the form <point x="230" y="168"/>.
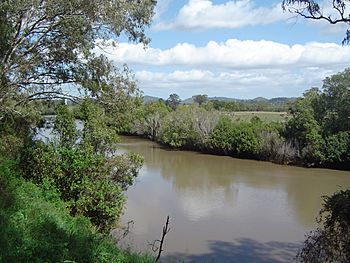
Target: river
<point x="223" y="209"/>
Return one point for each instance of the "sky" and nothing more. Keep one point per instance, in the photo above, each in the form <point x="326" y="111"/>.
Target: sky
<point x="238" y="49"/>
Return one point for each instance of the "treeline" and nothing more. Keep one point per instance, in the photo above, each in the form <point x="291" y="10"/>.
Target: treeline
<point x="226" y="104"/>
<point x="195" y="128"/>
<point x="250" y="105"/>
<point x="316" y="134"/>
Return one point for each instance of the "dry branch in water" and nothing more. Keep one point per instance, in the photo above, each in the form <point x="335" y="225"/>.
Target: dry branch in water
<point x="155" y="248"/>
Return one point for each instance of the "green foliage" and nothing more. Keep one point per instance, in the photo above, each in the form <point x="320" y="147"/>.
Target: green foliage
<point x="336" y="100"/>
<point x="125" y="168"/>
<point x="235" y="138"/>
<point x="173" y="101"/>
<point x="330" y="242"/>
<point x="199" y="128"/>
<point x="272" y="105"/>
<point x="188" y="126"/>
<point x="49" y="42"/>
<point x="200" y="99"/>
<point x="336" y="147"/>
<point x="46" y="44"/>
<point x="178" y="130"/>
<point x="83" y="169"/>
<point x="64" y="124"/>
<point x="80" y="178"/>
<point x="151" y="120"/>
<point x="221" y="135"/>
<point x="35" y="226"/>
<point x="15" y="132"/>
<point x="303" y="125"/>
<point x="97" y="135"/>
<point x="316" y="133"/>
<point x="320" y="121"/>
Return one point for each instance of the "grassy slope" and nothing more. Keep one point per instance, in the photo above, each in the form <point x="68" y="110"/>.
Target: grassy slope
<point x="35" y="226"/>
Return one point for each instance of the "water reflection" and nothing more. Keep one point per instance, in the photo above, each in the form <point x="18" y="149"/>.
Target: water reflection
<point x="221" y="198"/>
<point x="241" y="251"/>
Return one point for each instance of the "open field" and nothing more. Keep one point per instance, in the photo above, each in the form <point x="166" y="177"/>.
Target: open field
<point x="267" y="116"/>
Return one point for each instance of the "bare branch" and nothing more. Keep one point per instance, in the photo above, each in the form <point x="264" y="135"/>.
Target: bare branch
<point x="166" y="230"/>
<point x="310" y="9"/>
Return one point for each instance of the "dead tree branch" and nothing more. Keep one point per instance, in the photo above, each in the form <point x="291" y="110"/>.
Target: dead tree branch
<point x="155" y="248"/>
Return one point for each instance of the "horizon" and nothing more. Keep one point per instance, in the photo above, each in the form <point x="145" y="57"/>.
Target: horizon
<point x="224" y="97"/>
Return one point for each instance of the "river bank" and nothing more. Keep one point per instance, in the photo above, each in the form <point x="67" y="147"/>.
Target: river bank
<point x="205" y="150"/>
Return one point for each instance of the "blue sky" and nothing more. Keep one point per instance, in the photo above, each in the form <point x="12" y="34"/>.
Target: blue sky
<point x="240" y="49"/>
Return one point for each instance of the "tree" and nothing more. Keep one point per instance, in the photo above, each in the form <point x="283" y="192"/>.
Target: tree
<point x="311" y="9"/>
<point x="150" y="124"/>
<point x="48" y="44"/>
<point x="330" y="242"/>
<point x="173" y="101"/>
<point x="320" y="121"/>
<point x="337" y="102"/>
<point x="83" y="167"/>
<point x="200" y="99"/>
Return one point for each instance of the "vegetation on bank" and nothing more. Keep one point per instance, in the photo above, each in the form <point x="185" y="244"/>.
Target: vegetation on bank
<point x="59" y="200"/>
<point x="330" y="241"/>
<point x="316" y="133"/>
<point x="36" y="226"/>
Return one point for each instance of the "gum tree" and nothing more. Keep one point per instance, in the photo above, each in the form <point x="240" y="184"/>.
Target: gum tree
<point x="45" y="45"/>
<point x="337" y="13"/>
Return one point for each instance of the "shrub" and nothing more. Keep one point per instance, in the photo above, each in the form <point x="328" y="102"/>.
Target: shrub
<point x="35" y="226"/>
<point x="330" y="242"/>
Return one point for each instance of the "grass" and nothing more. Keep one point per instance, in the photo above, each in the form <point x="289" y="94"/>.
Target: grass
<point x="35" y="226"/>
<point x="267" y="116"/>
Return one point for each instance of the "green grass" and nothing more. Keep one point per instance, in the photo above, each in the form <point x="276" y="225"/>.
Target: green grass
<point x="266" y="116"/>
<point x="35" y="226"/>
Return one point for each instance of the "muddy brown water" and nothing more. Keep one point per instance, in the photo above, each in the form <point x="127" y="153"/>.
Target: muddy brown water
<point x="223" y="209"/>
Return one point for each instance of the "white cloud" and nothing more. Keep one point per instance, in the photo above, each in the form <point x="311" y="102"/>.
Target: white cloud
<point x="236" y="68"/>
<point x="233" y="54"/>
<point x="161" y="7"/>
<point x="235" y="83"/>
<point x="204" y="14"/>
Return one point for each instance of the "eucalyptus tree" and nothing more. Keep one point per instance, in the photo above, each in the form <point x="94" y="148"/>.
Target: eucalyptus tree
<point x="173" y="101"/>
<point x="47" y="44"/>
<point x="200" y="99"/>
<point x="338" y="13"/>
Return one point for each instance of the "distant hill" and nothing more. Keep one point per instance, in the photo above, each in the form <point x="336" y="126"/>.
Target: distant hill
<point x="275" y="101"/>
<point x="225" y="99"/>
<point x="259" y="99"/>
<point x="282" y="100"/>
<point x="147" y="98"/>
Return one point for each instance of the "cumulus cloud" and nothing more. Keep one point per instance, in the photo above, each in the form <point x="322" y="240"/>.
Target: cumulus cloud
<point x="233" y="54"/>
<point x="236" y="68"/>
<point x="204" y="14"/>
<point x="234" y="83"/>
<point x="161" y="7"/>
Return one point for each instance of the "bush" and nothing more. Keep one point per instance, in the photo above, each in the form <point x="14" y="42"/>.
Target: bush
<point x="330" y="242"/>
<point x="236" y="138"/>
<point x="82" y="179"/>
<point x="337" y="147"/>
<point x="35" y="226"/>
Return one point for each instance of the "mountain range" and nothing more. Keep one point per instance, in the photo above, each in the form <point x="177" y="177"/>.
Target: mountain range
<point x="275" y="101"/>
